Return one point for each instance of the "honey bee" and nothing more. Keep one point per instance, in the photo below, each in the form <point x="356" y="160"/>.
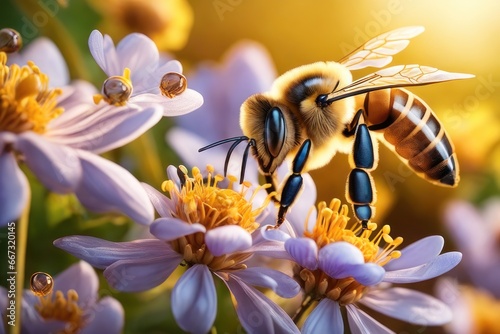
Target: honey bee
<point x="314" y="111"/>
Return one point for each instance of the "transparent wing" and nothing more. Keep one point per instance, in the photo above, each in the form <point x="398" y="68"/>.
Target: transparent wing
<point x="396" y="76"/>
<point x="378" y="51"/>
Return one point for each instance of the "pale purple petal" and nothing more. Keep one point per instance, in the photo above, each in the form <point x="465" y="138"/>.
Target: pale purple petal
<point x="76" y="118"/>
<point x="464" y="319"/>
<point x="325" y="318"/>
<point x="182" y="104"/>
<point x="105" y="187"/>
<point x="79" y="92"/>
<point x="419" y="252"/>
<point x="408" y="305"/>
<point x="469" y="229"/>
<point x="14" y="192"/>
<point x="269" y="248"/>
<point x="304" y="251"/>
<point x="107" y="316"/>
<point x="194" y="300"/>
<point x="257" y="313"/>
<point x="140" y="54"/>
<point x="56" y="166"/>
<point x="45" y="54"/>
<point x="82" y="278"/>
<point x="102" y="253"/>
<point x="282" y="284"/>
<point x="227" y="239"/>
<point x="341" y="260"/>
<point x="438" y="266"/>
<point x="270" y="233"/>
<point x="132" y="275"/>
<point x="103" y="50"/>
<point x="361" y="323"/>
<point x="168" y="229"/>
<point x="163" y="205"/>
<point x="107" y="128"/>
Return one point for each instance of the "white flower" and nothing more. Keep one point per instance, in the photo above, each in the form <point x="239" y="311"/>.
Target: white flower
<point x="139" y="55"/>
<point x="341" y="267"/>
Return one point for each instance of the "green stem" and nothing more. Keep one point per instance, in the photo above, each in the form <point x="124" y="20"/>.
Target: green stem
<point x="21" y="245"/>
<point x="308" y="301"/>
<point x="150" y="164"/>
<point x="58" y="33"/>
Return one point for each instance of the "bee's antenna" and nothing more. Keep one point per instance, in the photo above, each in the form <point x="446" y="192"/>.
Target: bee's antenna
<point x="237" y="141"/>
<point x="251" y="142"/>
<point x="223" y="141"/>
<point x="230" y="151"/>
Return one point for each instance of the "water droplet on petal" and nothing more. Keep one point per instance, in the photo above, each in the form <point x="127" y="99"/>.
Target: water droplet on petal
<point x="10" y="40"/>
<point x="173" y="84"/>
<point x="116" y="90"/>
<point x="41" y="283"/>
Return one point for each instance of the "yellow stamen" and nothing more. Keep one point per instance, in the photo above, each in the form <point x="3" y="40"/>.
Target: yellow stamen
<point x="201" y="200"/>
<point x="332" y="226"/>
<point x="26" y="102"/>
<point x="62" y="308"/>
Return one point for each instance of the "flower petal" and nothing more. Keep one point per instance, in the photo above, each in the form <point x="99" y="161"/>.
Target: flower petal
<point x="304" y="251"/>
<point x="282" y="284"/>
<point x="47" y="57"/>
<point x="132" y="275"/>
<point x="56" y="166"/>
<point x="82" y="278"/>
<point x="270" y="233"/>
<point x="325" y="318"/>
<point x="440" y="265"/>
<point x="107" y="128"/>
<point x="419" y="252"/>
<point x="14" y="192"/>
<point x="140" y="54"/>
<point x="106" y="187"/>
<point x="163" y="205"/>
<point x="103" y="50"/>
<point x="194" y="298"/>
<point x="361" y="323"/>
<point x="227" y="239"/>
<point x="107" y="316"/>
<point x="102" y="253"/>
<point x="182" y="104"/>
<point x="168" y="229"/>
<point x="408" y="305"/>
<point x="342" y="259"/>
<point x="257" y="313"/>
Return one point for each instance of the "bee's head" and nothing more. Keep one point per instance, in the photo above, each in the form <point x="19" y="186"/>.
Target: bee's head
<point x="274" y="129"/>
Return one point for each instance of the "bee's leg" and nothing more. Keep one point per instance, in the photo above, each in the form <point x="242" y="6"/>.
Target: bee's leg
<point x="294" y="181"/>
<point x="360" y="188"/>
<point x="350" y="129"/>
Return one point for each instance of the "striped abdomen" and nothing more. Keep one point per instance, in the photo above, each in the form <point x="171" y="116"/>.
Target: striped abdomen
<point x="410" y="128"/>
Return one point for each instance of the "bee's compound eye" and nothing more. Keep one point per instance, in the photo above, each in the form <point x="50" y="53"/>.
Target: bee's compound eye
<point x="322" y="100"/>
<point x="41" y="284"/>
<point x="10" y="40"/>
<point x="116" y="89"/>
<point x="173" y="84"/>
<point x="274" y="131"/>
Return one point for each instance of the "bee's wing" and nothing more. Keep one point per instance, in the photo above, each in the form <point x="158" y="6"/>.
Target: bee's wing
<point x="396" y="76"/>
<point x="378" y="51"/>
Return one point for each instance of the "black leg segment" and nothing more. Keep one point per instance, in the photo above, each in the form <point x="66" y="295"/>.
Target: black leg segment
<point x="294" y="181"/>
<point x="360" y="187"/>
